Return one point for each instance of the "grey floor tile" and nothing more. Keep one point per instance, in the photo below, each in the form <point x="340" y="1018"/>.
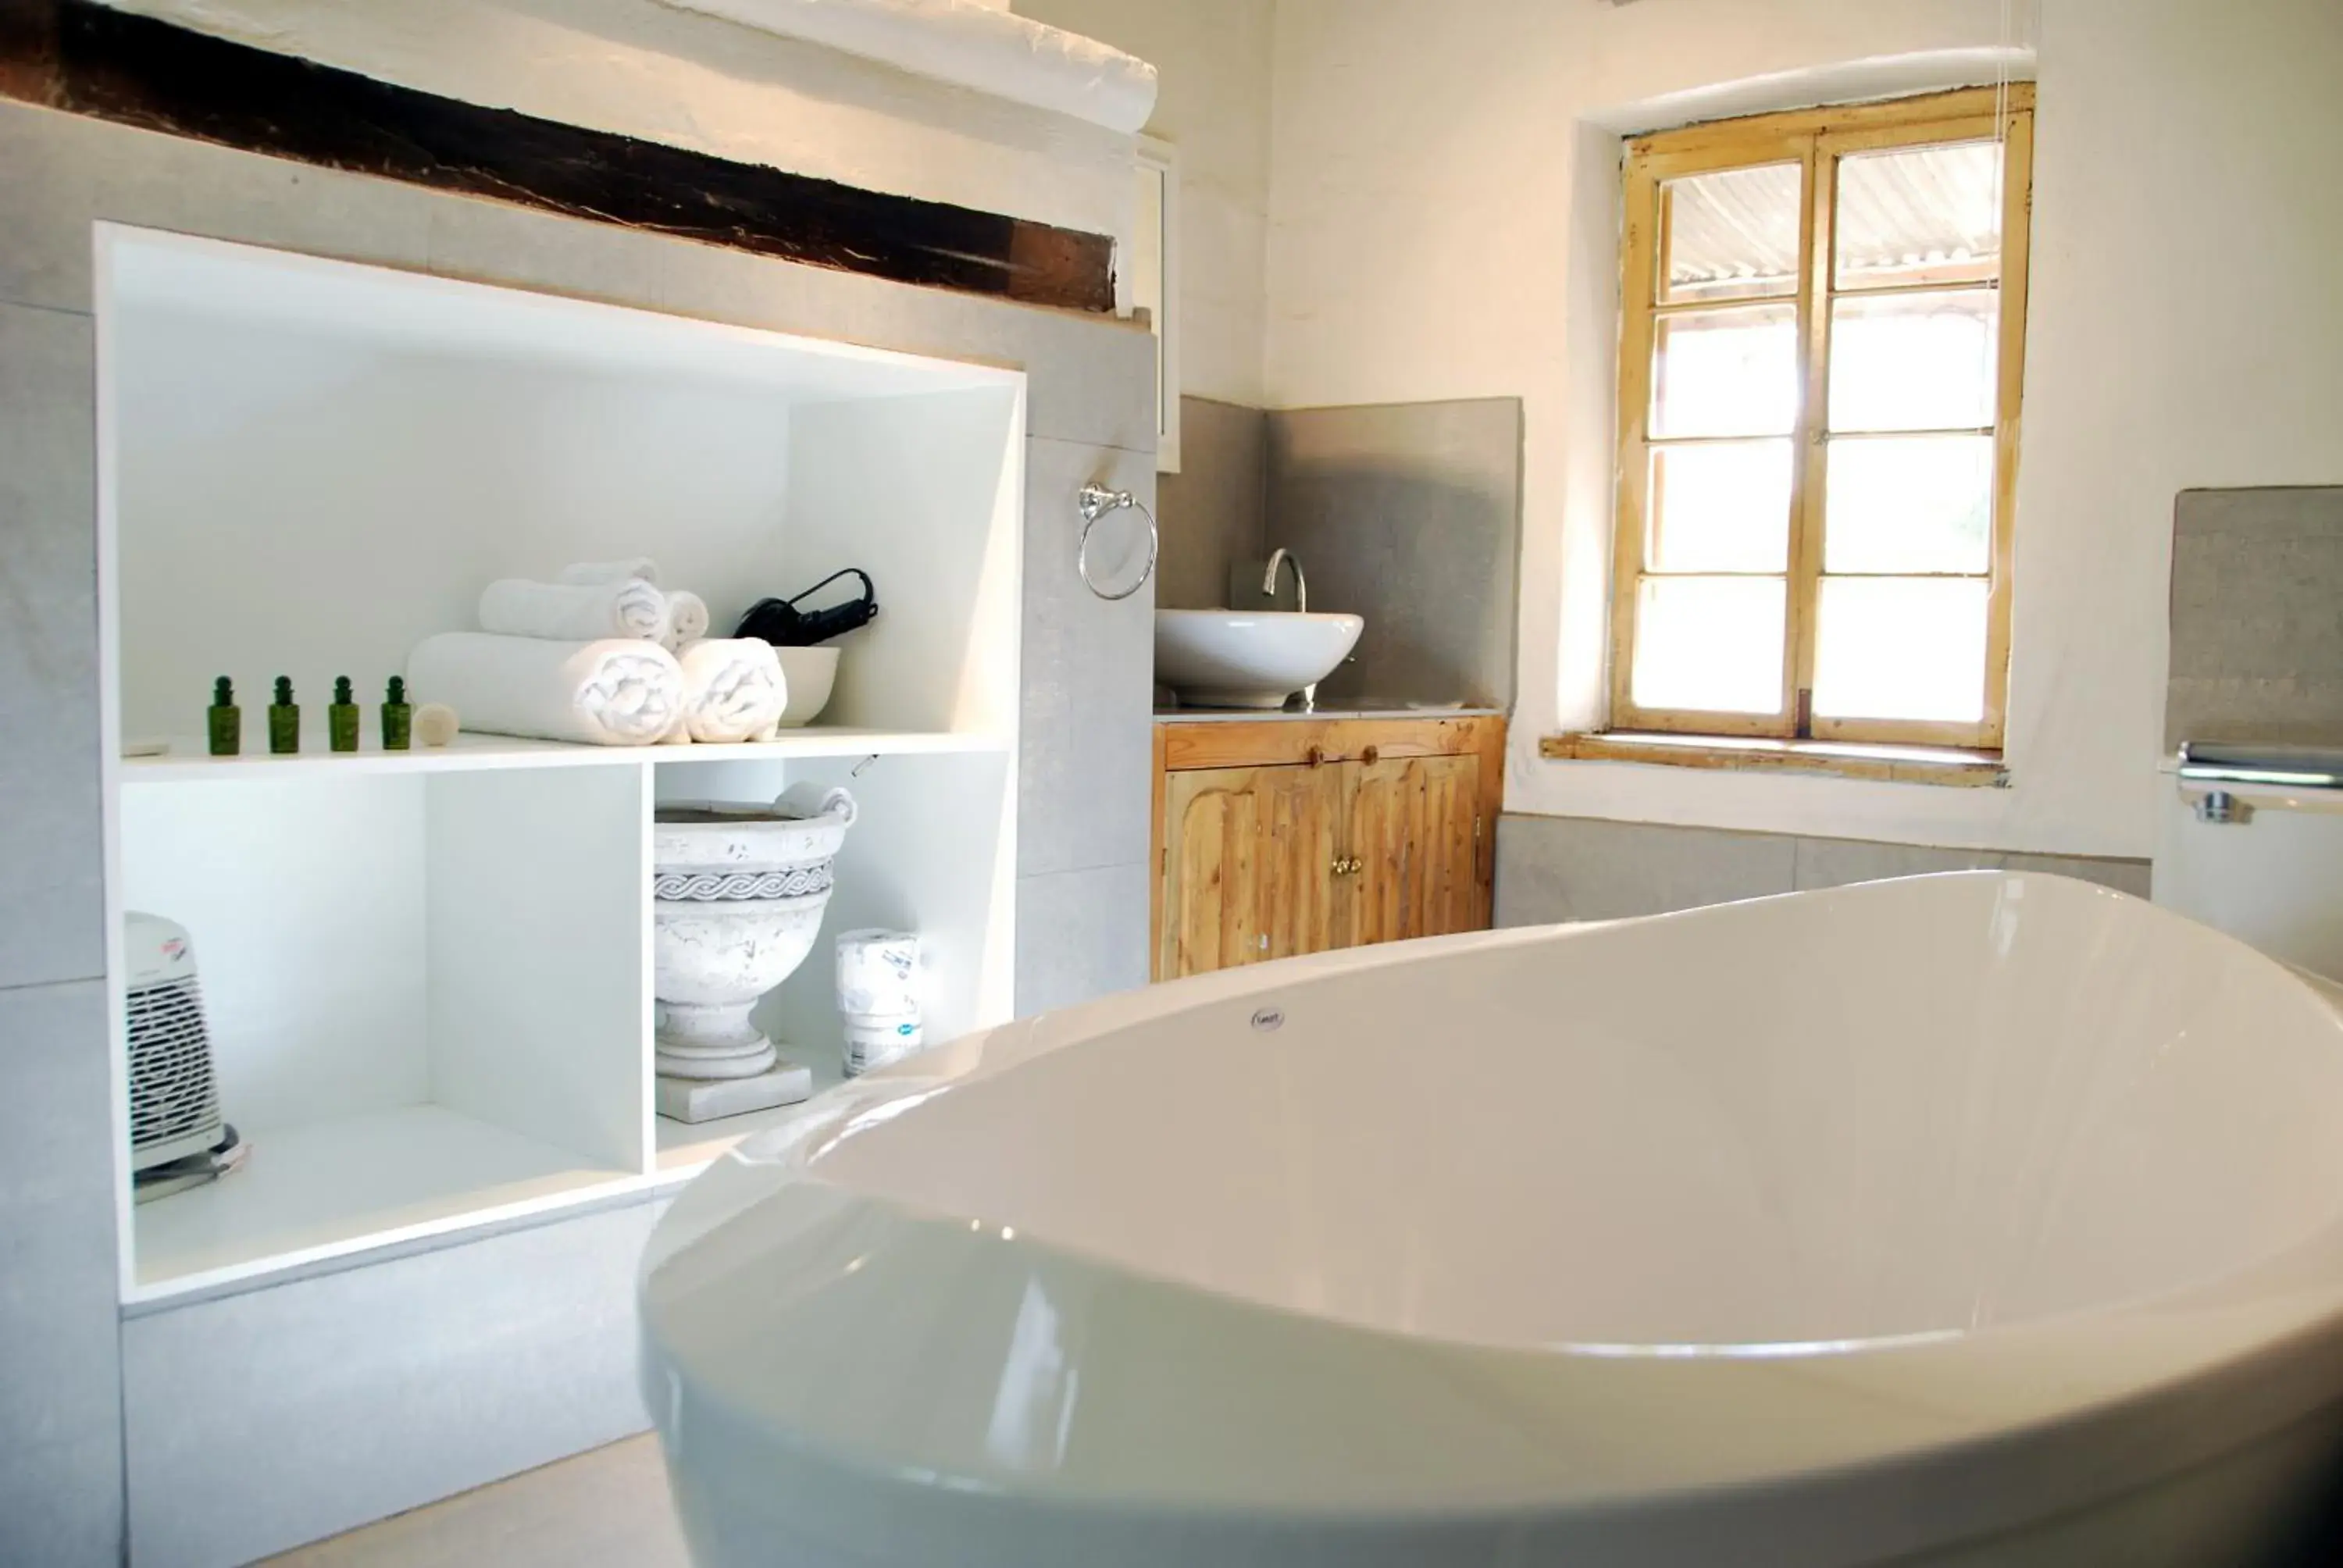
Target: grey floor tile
<point x="607" y="1509"/>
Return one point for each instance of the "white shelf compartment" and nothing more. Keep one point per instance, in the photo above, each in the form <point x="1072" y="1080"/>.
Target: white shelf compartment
<point x="323" y="1189"/>
<point x="427" y="974"/>
<point x="443" y="951"/>
<point x="932" y="850"/>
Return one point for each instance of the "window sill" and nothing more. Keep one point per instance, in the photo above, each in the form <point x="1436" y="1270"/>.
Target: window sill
<point x="1945" y="766"/>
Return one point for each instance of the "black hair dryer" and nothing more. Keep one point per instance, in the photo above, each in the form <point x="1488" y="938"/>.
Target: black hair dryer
<point x="780" y="622"/>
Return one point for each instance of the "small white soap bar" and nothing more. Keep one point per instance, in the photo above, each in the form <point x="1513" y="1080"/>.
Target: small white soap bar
<point x="435" y="724"/>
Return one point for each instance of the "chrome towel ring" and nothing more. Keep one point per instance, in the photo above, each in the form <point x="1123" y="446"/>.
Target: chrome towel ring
<point x="1097" y="502"/>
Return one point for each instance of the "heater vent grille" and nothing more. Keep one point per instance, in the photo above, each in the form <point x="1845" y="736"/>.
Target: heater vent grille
<point x="172" y="1095"/>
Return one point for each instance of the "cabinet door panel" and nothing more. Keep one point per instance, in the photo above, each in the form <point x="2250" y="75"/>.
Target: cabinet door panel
<point x="1412" y="825"/>
<point x="1248" y="859"/>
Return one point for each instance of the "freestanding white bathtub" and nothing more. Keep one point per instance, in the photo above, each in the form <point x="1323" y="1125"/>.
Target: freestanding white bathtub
<point x="1963" y="1219"/>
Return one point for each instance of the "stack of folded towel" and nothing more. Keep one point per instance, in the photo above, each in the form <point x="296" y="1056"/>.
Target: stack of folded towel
<point x="601" y="656"/>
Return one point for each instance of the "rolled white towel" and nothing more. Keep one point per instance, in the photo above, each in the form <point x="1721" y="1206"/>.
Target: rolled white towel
<point x="733" y="688"/>
<point x="618" y="691"/>
<point x="589" y="573"/>
<point x="574" y="612"/>
<point x="687" y="620"/>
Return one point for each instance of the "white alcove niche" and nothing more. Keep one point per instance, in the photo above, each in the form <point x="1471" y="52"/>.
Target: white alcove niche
<point x="428" y="972"/>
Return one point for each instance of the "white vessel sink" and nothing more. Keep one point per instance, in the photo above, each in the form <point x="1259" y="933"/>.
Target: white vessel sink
<point x="1248" y="659"/>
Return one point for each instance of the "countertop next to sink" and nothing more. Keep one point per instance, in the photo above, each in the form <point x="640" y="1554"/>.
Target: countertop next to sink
<point x="1368" y="708"/>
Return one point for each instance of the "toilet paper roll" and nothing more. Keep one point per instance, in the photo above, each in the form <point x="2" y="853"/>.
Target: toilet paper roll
<point x="879" y="972"/>
<point x="874" y="1042"/>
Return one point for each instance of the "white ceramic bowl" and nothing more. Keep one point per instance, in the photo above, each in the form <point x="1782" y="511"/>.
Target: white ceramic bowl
<point x="808" y="673"/>
<point x="1235" y="658"/>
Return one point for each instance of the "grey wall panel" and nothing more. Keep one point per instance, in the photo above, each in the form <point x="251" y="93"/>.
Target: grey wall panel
<point x="261" y="1420"/>
<point x="2256" y="617"/>
<point x="52" y="922"/>
<point x="1553" y="869"/>
<point x="1081" y="935"/>
<point x="1409" y="515"/>
<point x="60" y="1364"/>
<point x="1214" y="508"/>
<point x="1086" y="671"/>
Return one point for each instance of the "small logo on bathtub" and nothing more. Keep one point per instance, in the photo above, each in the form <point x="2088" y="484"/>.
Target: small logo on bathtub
<point x="1267" y="1019"/>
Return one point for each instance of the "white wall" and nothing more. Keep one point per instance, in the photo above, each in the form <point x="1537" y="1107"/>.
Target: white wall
<point x="644" y="69"/>
<point x="1213" y="104"/>
<point x="1442" y="223"/>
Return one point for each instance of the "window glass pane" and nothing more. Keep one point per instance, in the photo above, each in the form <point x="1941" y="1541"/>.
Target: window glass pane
<point x="1725" y="372"/>
<point x="1909" y="647"/>
<point x="1721" y="507"/>
<point x="1914" y="361"/>
<point x="1712" y="645"/>
<point x="1731" y="235"/>
<point x="1908" y="503"/>
<point x="1920" y="215"/>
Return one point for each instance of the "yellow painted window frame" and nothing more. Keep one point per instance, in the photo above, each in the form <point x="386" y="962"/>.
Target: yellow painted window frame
<point x="1816" y="139"/>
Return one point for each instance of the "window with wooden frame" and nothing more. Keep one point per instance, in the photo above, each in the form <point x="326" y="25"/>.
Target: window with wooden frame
<point x="1823" y="333"/>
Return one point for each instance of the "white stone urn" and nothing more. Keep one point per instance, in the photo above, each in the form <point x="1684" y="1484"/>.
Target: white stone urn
<point x="737" y="895"/>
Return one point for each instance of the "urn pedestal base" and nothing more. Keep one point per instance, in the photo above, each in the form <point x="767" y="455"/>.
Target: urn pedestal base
<point x="712" y="1099"/>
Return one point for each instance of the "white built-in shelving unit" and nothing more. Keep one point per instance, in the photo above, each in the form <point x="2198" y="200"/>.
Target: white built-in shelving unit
<point x="427" y="974"/>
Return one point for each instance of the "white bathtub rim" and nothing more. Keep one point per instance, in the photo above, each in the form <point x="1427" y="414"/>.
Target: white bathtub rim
<point x="2055" y="1416"/>
<point x="797" y="1146"/>
<point x="2019" y="1421"/>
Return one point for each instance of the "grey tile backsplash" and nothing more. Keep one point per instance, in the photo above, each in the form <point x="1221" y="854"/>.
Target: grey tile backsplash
<point x="1555" y="868"/>
<point x="1211" y="510"/>
<point x="2257" y="647"/>
<point x="1408" y="514"/>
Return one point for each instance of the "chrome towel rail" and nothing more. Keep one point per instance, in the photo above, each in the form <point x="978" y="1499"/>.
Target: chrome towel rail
<point x="1098" y="502"/>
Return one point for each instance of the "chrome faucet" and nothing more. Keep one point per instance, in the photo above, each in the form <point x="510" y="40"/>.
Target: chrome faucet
<point x="1285" y="558"/>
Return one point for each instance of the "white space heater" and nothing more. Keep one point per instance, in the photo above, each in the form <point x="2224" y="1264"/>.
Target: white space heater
<point x="174" y="1099"/>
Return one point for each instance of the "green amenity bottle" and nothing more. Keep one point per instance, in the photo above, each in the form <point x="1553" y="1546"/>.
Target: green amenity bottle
<point x="284" y="721"/>
<point x="225" y="720"/>
<point x="397" y="717"/>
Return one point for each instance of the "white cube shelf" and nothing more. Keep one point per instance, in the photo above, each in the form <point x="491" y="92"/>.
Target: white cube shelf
<point x="428" y="972"/>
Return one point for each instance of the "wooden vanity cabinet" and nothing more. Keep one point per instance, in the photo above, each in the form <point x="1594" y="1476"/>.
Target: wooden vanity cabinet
<point x="1287" y="836"/>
